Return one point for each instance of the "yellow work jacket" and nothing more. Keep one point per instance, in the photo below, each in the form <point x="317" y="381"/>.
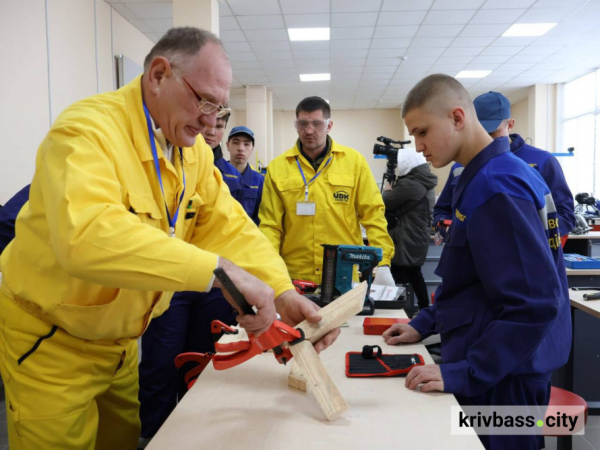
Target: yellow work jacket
<point x="345" y="194"/>
<point x="91" y="252"/>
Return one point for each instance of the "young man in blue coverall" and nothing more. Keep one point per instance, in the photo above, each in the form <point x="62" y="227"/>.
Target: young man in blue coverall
<point x="493" y="111"/>
<point x="502" y="309"/>
<point x="185" y="326"/>
<point x="240" y="145"/>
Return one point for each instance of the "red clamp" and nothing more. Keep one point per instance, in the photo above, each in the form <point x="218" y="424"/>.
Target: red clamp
<point x="192" y="375"/>
<point x="240" y="351"/>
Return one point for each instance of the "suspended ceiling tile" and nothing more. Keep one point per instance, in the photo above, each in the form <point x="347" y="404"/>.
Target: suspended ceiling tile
<point x="496" y="16"/>
<point x="471" y="42"/>
<point x="402" y="18"/>
<point x="406" y="5"/>
<point x="459" y="17"/>
<point x="304" y="6"/>
<point x="274" y="46"/>
<point x="307" y="20"/>
<point x="232" y="36"/>
<point x="398" y="31"/>
<point x="228" y="23"/>
<point x="463" y="51"/>
<point x="390" y="43"/>
<point x="266" y="35"/>
<point x="261" y="22"/>
<point x="352" y="33"/>
<point x="457" y="4"/>
<point x="340" y="6"/>
<point x="353" y="19"/>
<point x="254" y="7"/>
<point x="350" y="44"/>
<point x="498" y="4"/>
<point x="480" y="30"/>
<point x="305" y="46"/>
<point x="234" y="47"/>
<point x="431" y="42"/>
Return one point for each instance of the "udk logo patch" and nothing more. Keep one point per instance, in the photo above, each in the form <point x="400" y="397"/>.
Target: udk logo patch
<point x="341" y="197"/>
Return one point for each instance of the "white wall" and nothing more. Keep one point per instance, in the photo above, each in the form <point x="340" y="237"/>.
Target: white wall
<point x="520" y="113"/>
<point x="56" y="52"/>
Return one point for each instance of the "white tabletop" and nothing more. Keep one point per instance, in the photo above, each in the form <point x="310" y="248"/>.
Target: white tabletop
<point x="590" y="235"/>
<point x="589" y="306"/>
<point x="575" y="272"/>
<point x="251" y="407"/>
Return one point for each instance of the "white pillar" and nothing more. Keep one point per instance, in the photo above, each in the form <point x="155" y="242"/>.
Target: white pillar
<point x="270" y="145"/>
<point x="202" y="14"/>
<point x="256" y="120"/>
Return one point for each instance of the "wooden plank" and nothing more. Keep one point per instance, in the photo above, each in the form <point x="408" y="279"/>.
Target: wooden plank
<point x="296" y="378"/>
<point x="333" y="315"/>
<point x="321" y="384"/>
<point x="336" y="313"/>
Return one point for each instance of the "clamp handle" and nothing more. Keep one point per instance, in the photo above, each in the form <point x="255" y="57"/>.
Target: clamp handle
<point x="237" y="296"/>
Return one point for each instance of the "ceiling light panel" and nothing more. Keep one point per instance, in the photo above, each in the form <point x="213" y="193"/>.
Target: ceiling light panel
<point x="315" y="77"/>
<point x="308" y="34"/>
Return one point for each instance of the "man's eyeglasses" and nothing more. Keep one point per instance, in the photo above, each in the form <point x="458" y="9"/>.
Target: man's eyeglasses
<point x="205" y="106"/>
<point x="317" y="125"/>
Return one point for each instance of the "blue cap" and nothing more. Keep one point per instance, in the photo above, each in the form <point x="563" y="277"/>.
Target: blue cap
<point x="241" y="130"/>
<point x="492" y="108"/>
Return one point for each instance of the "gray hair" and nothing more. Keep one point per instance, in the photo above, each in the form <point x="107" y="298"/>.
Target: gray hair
<point x="179" y="45"/>
<point x="437" y="87"/>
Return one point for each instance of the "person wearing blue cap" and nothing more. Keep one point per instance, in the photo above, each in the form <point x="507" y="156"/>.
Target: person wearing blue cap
<point x="493" y="112"/>
<point x="240" y="144"/>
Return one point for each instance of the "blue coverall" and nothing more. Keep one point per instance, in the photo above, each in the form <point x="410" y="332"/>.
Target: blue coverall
<point x="253" y="187"/>
<point x="184" y="327"/>
<point x="502" y="309"/>
<point x="8" y="215"/>
<point x="542" y="161"/>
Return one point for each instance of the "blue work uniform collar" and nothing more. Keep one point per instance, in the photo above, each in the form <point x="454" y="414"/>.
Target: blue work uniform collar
<point x="516" y="143"/>
<point x="217" y="152"/>
<point x="497" y="147"/>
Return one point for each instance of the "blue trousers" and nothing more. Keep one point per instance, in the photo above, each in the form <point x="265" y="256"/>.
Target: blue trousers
<point x="512" y="391"/>
<point x="184" y="327"/>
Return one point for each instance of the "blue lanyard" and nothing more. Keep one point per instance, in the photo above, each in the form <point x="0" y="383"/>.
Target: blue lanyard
<point x="172" y="221"/>
<point x="312" y="179"/>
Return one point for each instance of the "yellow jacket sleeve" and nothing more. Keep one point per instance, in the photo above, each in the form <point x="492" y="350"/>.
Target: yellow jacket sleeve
<point x="371" y="213"/>
<point x="271" y="213"/>
<point x="224" y="228"/>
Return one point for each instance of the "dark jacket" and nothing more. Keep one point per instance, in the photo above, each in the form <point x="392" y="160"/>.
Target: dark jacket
<point x="408" y="207"/>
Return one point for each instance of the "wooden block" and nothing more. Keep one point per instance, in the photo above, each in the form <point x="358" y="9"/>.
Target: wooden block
<point x="321" y="384"/>
<point x="296" y="379"/>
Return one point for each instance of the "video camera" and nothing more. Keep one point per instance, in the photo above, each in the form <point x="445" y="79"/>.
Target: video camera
<point x="390" y="150"/>
<point x="583" y="198"/>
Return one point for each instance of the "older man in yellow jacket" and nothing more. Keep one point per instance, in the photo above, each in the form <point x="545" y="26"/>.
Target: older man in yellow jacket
<point x="125" y="207"/>
<point x="320" y="192"/>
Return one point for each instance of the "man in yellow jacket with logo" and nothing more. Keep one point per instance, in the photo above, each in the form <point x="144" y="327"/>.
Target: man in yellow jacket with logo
<point x="320" y="192"/>
<point x="125" y="207"/>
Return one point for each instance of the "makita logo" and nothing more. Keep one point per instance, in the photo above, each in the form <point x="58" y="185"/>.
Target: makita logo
<point x="358" y="256"/>
<point x="341" y="196"/>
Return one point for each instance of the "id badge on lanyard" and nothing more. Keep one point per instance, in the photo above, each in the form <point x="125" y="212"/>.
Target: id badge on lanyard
<point x="306" y="208"/>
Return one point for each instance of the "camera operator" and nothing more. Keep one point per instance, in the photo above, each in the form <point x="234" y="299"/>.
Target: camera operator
<point x="408" y="208"/>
